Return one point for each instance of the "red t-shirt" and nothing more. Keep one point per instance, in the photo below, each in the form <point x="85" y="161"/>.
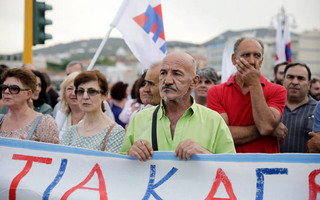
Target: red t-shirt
<point x="228" y="98"/>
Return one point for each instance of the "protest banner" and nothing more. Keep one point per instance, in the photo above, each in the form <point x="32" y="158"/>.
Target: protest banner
<point x="34" y="170"/>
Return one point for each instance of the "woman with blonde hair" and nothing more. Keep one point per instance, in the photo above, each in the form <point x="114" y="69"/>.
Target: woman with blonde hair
<point x="96" y="131"/>
<point x="23" y="122"/>
<point x="69" y="112"/>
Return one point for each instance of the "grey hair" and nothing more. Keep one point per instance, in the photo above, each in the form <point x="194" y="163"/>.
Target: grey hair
<point x="83" y="68"/>
<point x="236" y="45"/>
<point x="208" y="73"/>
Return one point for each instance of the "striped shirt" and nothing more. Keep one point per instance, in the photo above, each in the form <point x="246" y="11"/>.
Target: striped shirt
<point x="299" y="123"/>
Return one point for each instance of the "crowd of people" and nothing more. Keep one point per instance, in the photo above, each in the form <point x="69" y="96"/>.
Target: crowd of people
<point x="172" y="106"/>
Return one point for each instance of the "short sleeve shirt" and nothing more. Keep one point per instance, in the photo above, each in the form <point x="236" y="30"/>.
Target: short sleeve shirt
<point x="46" y="130"/>
<point x="113" y="144"/>
<point x="316" y="123"/>
<point x="299" y="123"/>
<point x="228" y="98"/>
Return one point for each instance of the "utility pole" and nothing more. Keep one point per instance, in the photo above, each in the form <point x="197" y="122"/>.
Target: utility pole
<point x="28" y="32"/>
<point x="34" y="27"/>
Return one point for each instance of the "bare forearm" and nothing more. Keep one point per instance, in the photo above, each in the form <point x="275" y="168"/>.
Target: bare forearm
<point x="244" y="134"/>
<point x="313" y="145"/>
<point x="264" y="118"/>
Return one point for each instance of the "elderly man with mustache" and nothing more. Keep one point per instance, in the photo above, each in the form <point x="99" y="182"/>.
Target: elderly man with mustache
<point x="298" y="114"/>
<point x="178" y="124"/>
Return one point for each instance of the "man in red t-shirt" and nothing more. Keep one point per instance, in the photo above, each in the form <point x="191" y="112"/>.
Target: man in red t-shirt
<point x="250" y="105"/>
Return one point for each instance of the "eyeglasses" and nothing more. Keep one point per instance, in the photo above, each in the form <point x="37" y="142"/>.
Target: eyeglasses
<point x="91" y="92"/>
<point x="13" y="89"/>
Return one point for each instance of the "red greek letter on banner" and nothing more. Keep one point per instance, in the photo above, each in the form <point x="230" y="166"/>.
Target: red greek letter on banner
<point x="314" y="188"/>
<point x="221" y="176"/>
<point x="102" y="185"/>
<point x="30" y="159"/>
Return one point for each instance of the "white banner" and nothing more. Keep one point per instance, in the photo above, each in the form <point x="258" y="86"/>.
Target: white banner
<point x="34" y="170"/>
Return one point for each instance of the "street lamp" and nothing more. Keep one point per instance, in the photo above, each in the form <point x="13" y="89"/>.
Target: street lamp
<point x="283" y="16"/>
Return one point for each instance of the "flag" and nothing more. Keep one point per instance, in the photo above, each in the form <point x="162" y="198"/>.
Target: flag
<point x="283" y="42"/>
<point x="287" y="41"/>
<point x="227" y="69"/>
<point x="141" y="24"/>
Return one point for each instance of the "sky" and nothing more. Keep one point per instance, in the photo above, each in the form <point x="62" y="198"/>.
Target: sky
<point x="195" y="21"/>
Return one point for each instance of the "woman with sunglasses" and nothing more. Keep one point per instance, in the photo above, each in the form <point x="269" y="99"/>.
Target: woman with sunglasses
<point x="96" y="131"/>
<point x="22" y="122"/>
<point x="38" y="100"/>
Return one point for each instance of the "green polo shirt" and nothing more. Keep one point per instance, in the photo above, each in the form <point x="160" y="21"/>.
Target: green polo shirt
<point x="206" y="127"/>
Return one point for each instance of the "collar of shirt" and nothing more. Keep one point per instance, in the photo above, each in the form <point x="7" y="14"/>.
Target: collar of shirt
<point x="189" y="111"/>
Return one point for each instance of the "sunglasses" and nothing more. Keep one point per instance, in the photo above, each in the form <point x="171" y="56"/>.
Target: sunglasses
<point x="91" y="92"/>
<point x="13" y="89"/>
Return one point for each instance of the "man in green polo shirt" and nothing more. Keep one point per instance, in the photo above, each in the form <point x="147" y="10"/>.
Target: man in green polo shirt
<point x="182" y="125"/>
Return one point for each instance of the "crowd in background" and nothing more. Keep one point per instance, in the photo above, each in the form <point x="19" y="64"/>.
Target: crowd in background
<point x="252" y="114"/>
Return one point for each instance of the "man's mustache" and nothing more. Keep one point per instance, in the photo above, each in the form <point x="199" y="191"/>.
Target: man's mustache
<point x="169" y="86"/>
<point x="294" y="87"/>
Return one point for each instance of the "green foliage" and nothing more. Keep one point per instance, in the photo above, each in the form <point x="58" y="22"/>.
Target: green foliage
<point x="57" y="67"/>
<point x="106" y="61"/>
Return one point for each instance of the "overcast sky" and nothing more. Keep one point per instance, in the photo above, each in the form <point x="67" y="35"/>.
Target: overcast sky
<point x="194" y="21"/>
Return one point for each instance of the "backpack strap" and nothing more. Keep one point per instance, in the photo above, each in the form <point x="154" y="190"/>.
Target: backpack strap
<point x="154" y="129"/>
<point x="105" y="139"/>
<point x="34" y="127"/>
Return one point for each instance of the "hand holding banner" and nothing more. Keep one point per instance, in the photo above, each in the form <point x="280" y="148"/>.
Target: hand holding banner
<point x="34" y="170"/>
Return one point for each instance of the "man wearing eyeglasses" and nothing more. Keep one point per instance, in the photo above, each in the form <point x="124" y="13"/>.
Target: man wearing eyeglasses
<point x="178" y="124"/>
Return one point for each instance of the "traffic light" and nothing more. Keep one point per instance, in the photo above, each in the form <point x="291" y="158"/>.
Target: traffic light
<point x="39" y="22"/>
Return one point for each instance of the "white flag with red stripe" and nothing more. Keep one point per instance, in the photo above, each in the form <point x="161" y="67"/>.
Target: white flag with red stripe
<point x="141" y="24"/>
<point x="283" y="43"/>
<point x="227" y="69"/>
<point x="287" y="41"/>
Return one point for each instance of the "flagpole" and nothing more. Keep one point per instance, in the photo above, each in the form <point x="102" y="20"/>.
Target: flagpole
<point x="98" y="52"/>
<point x="112" y="25"/>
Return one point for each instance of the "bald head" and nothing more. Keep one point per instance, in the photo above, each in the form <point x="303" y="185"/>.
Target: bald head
<point x="177" y="77"/>
<point x="182" y="59"/>
<point x="74" y="66"/>
<point x="151" y="88"/>
<point x="237" y="43"/>
<point x="154" y="72"/>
